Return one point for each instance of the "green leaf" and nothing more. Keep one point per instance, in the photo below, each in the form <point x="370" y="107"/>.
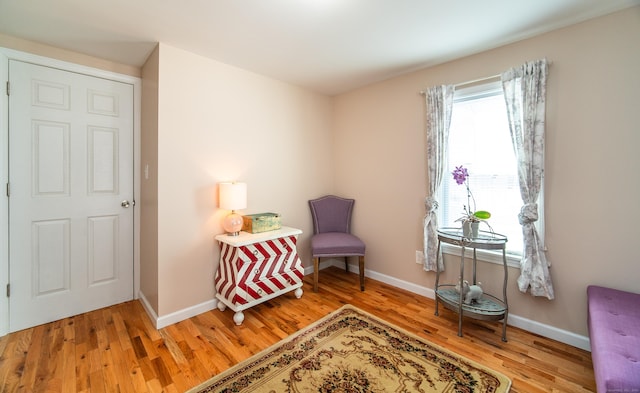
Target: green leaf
<point x="482" y="214"/>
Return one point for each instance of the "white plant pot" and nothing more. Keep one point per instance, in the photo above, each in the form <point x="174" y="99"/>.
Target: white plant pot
<point x="470" y="229"/>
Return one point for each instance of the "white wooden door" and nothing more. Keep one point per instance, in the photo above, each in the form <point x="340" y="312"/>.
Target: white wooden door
<point x="70" y="173"/>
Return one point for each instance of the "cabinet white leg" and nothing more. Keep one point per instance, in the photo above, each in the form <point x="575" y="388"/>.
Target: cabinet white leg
<point x="298" y="293"/>
<point x="221" y="306"/>
<point x="238" y="317"/>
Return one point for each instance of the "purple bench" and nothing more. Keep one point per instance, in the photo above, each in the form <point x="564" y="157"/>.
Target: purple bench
<point x="614" y="331"/>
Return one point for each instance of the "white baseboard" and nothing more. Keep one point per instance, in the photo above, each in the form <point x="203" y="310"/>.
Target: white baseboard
<point x="564" y="336"/>
<point x="325" y="264"/>
<point x="552" y="332"/>
<point x="147" y="307"/>
<point x="177" y="316"/>
<point x="548" y="331"/>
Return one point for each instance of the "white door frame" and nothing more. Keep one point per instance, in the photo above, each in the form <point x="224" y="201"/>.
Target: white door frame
<point x="10" y="54"/>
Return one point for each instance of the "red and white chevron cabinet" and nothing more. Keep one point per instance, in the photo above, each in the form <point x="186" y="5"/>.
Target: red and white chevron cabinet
<point x="256" y="267"/>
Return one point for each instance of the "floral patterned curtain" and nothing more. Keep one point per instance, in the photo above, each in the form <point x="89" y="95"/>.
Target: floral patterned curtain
<point x="439" y="104"/>
<point x="525" y="93"/>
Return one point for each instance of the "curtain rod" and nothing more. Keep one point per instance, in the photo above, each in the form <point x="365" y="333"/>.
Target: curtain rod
<point x="486" y="78"/>
<point x="474" y="81"/>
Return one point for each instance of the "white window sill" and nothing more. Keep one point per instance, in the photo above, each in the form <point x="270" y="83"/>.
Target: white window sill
<point x="482" y="255"/>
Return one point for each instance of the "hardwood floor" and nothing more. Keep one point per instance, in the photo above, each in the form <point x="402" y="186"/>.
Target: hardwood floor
<point x="116" y="349"/>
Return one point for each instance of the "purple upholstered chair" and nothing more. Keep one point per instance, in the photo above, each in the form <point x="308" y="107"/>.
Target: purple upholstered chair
<point x="332" y="234"/>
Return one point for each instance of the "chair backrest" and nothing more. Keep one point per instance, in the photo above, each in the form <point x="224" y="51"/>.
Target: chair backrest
<point x="331" y="214"/>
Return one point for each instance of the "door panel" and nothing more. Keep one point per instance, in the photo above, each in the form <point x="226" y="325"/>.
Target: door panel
<point x="50" y="152"/>
<point x="103" y="249"/>
<point x="70" y="167"/>
<point x="50" y="248"/>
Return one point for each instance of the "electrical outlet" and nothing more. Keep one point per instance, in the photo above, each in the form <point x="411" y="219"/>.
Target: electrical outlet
<point x="419" y="257"/>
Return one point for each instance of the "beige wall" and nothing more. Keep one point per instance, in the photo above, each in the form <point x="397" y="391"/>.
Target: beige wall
<point x="592" y="184"/>
<point x="37" y="48"/>
<point x="148" y="199"/>
<point x="220" y="123"/>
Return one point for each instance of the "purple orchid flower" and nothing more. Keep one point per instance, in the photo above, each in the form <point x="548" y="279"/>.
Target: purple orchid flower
<point x="460" y="174"/>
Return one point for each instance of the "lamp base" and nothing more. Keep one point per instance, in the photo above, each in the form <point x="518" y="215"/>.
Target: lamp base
<point x="232" y="224"/>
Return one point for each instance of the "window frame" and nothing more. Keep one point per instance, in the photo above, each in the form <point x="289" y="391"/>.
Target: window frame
<point x="468" y="92"/>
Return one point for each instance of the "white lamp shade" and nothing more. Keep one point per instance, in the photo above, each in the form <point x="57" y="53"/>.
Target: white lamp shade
<point x="233" y="196"/>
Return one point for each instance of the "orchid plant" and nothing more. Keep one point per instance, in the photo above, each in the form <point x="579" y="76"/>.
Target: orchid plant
<point x="461" y="176"/>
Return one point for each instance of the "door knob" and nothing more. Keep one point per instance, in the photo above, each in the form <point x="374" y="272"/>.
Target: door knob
<point x="125" y="204"/>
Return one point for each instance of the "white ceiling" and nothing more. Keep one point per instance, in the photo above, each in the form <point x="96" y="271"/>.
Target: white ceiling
<point x="329" y="46"/>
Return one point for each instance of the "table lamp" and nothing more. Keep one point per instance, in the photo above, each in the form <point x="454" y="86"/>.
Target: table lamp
<point x="233" y="196"/>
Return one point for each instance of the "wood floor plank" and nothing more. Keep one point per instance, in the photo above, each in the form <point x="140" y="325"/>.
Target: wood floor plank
<point x="117" y="349"/>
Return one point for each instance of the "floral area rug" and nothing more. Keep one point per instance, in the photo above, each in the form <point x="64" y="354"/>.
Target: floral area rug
<point x="350" y="350"/>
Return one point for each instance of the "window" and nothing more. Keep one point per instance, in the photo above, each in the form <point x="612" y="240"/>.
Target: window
<point x="479" y="139"/>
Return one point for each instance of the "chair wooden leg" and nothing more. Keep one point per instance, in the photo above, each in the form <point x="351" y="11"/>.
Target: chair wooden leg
<point x="361" y="265"/>
<point x="346" y="264"/>
<point x="316" y="267"/>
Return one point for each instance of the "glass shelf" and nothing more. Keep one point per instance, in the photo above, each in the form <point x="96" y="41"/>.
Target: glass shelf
<point x="485" y="240"/>
<point x="488" y="307"/>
